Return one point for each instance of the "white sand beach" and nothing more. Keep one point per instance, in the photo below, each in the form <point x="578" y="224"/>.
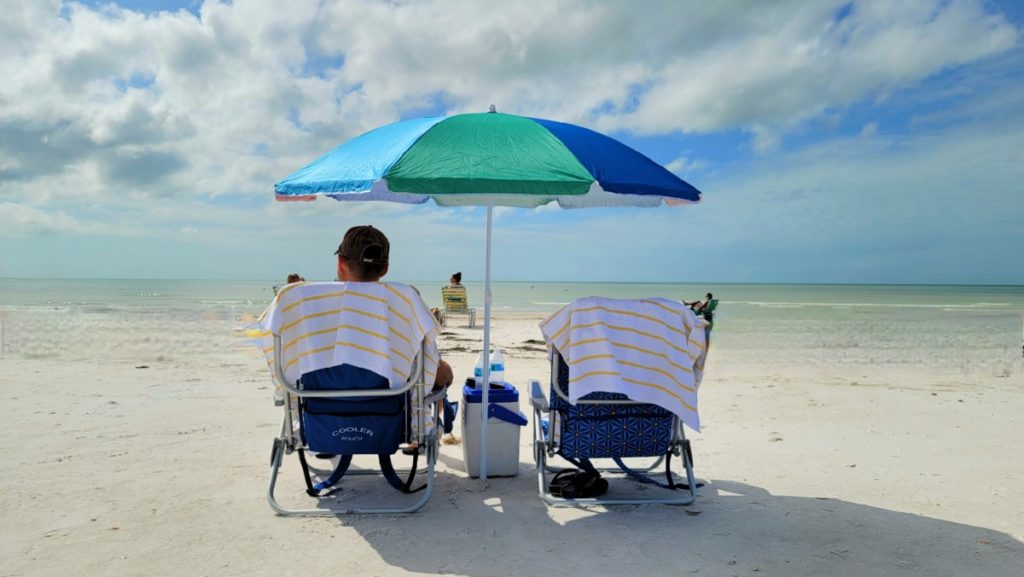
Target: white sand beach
<point x="812" y="467"/>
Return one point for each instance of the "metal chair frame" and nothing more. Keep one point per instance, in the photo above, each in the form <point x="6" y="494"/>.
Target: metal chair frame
<point x="545" y="447"/>
<point x="289" y="439"/>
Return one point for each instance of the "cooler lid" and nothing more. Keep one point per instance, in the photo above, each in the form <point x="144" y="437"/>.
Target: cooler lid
<point x="504" y="393"/>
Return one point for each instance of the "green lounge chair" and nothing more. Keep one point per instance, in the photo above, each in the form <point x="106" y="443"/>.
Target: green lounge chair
<point x="455" y="301"/>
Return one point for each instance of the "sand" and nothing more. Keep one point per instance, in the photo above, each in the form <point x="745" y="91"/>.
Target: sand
<point x="114" y="469"/>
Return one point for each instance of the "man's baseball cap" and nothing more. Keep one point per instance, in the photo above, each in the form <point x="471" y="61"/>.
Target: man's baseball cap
<point x="364" y="244"/>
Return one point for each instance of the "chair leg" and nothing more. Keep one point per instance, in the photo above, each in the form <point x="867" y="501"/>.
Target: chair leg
<point x="688" y="466"/>
<point x="275" y="465"/>
<point x="540" y="454"/>
<point x="281" y="447"/>
<point x="278" y="454"/>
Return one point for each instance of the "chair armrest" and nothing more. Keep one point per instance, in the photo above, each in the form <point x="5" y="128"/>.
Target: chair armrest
<point x="537" y="399"/>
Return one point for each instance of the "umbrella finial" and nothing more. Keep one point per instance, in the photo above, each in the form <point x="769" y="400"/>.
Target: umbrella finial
<point x="491" y="108"/>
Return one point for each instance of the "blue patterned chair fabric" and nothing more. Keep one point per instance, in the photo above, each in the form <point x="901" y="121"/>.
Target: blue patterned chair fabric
<point x="609" y="430"/>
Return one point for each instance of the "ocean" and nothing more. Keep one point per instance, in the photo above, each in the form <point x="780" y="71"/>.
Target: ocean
<point x="240" y="297"/>
<point x="963" y="329"/>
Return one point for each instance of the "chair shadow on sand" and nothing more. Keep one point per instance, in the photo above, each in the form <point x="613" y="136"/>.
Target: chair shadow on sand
<point x="500" y="527"/>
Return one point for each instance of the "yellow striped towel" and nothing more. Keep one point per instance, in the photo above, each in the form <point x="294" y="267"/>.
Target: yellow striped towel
<point x="651" y="350"/>
<point x="374" y="326"/>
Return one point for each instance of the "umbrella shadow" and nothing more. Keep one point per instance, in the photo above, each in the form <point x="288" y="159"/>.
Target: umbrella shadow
<point x="500" y="527"/>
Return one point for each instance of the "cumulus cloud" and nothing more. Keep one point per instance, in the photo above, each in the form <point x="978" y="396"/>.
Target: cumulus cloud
<point x="21" y="220"/>
<point x="160" y="118"/>
<point x="790" y="65"/>
<point x="683" y="164"/>
<point x="174" y="104"/>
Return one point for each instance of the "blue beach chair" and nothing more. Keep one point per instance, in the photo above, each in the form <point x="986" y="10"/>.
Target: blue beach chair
<point x="346" y="411"/>
<point x="605" y="426"/>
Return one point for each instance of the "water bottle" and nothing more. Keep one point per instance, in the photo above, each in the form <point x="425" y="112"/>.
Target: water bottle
<point x="478" y="369"/>
<point x="497" y="367"/>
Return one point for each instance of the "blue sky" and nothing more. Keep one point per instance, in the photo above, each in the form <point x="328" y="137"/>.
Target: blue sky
<point x="838" y="142"/>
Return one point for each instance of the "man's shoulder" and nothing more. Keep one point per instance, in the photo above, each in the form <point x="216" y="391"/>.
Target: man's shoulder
<point x="401" y="287"/>
<point x="405" y="291"/>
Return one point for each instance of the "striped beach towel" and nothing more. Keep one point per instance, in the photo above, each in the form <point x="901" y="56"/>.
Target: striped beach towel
<point x="374" y="326"/>
<point x="651" y="350"/>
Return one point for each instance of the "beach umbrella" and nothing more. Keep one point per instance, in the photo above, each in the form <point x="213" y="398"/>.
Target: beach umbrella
<point x="487" y="159"/>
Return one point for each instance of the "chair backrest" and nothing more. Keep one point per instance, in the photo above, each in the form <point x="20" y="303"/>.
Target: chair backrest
<point x="352" y="425"/>
<point x="376" y="326"/>
<point x="454" y="298"/>
<point x="598" y="427"/>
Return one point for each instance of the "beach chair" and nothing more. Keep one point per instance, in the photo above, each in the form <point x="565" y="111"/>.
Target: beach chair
<point x="630" y="438"/>
<point x="343" y="411"/>
<point x="347" y="411"/>
<point x="455" y="301"/>
<point x="608" y="426"/>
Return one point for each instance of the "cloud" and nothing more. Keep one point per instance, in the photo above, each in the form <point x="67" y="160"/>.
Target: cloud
<point x="869" y="129"/>
<point x="683" y="164"/>
<point x="117" y="122"/>
<point x="922" y="203"/>
<point x="136" y="168"/>
<point x="765" y="139"/>
<point x="180" y="105"/>
<point x="21" y="220"/>
<point x="787" y="65"/>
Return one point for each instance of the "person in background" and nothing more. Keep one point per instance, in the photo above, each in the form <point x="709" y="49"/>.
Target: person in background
<point x="698" y="306"/>
<point x="291" y="279"/>
<point x="454" y="281"/>
<point x="705" y="309"/>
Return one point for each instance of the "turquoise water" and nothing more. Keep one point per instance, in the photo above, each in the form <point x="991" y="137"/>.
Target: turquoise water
<point x="242" y="297"/>
<point x="955" y="329"/>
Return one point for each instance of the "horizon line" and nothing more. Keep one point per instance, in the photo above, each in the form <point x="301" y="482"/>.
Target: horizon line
<point x="694" y="282"/>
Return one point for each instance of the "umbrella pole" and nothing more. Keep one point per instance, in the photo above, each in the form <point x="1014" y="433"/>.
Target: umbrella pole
<point x="486" y="384"/>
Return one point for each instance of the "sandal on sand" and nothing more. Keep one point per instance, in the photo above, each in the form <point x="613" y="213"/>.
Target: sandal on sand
<point x="577" y="484"/>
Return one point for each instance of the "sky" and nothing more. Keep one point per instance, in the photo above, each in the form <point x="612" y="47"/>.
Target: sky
<point x="833" y="141"/>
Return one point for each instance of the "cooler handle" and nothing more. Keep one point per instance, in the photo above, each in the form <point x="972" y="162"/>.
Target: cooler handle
<point x="502" y="414"/>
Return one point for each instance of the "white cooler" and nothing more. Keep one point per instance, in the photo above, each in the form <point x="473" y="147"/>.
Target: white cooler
<point x="503" y="428"/>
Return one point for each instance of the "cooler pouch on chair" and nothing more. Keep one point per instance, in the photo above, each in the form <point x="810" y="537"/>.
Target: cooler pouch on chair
<point x="359" y="434"/>
<point x="357" y="426"/>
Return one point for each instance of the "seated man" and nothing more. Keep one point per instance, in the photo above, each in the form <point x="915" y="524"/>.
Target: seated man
<point x="363" y="257"/>
<point x="320" y="324"/>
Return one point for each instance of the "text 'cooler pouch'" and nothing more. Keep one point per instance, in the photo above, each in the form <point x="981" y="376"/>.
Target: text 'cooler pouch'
<point x="357" y="426"/>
